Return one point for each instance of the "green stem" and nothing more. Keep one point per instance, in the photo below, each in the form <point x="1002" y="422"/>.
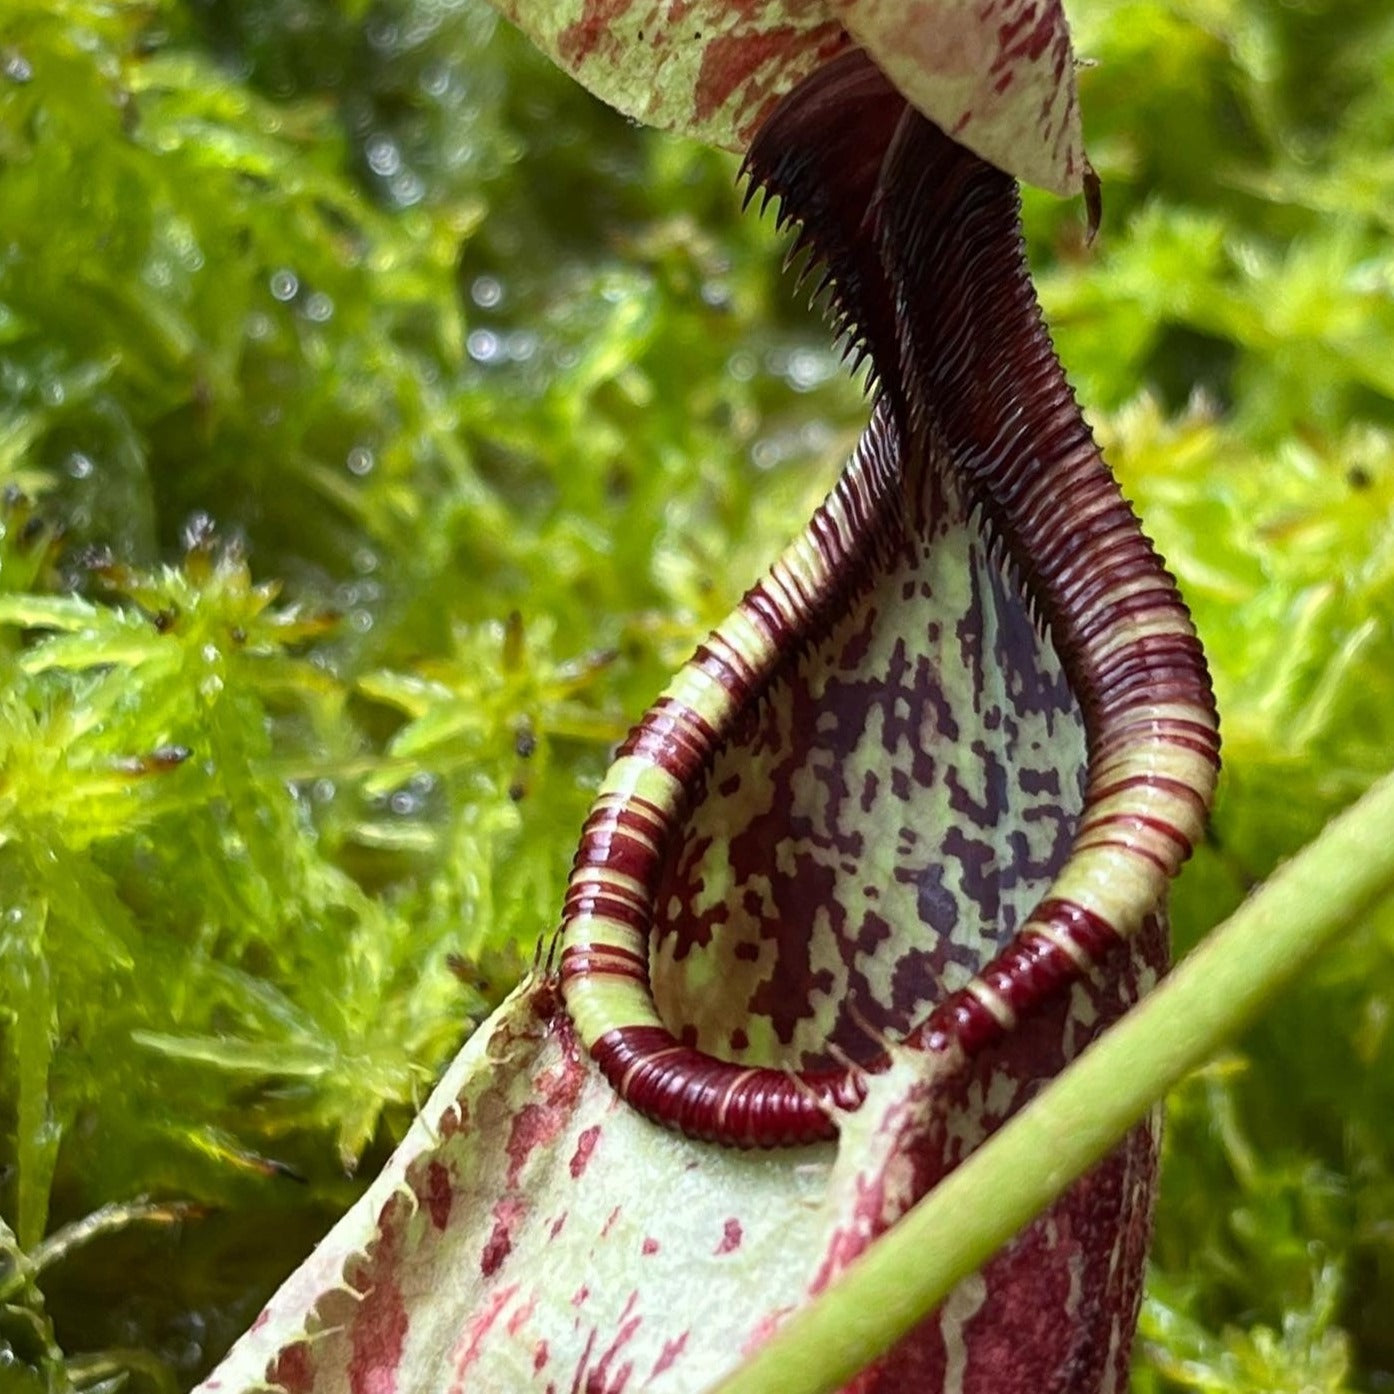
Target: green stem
<point x="974" y="1211"/>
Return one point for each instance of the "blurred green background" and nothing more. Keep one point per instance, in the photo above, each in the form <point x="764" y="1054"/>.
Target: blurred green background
<point x="406" y="416"/>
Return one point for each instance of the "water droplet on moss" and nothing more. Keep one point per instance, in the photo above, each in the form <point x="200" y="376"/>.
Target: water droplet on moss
<point x="384" y="35"/>
<point x="483" y="345"/>
<point x="435" y="80"/>
<point x="487" y="292"/>
<point x="808" y="369"/>
<point x="384" y="158"/>
<point x="285" y="285"/>
<point x="741" y="366"/>
<point x="360" y="461"/>
<point x="198" y="531"/>
<point x="17" y="67"/>
<point x="407" y="189"/>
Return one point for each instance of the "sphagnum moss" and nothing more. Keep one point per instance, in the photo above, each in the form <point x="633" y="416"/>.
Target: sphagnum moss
<point x="505" y="396"/>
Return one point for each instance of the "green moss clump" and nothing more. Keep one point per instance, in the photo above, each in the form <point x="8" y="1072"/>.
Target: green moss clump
<point x="406" y="416"/>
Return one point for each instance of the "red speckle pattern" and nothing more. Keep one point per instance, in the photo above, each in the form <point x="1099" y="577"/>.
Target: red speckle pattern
<point x="294" y="1370"/>
<point x="438" y="1196"/>
<point x="499" y="1245"/>
<point x="585" y="1145"/>
<point x="380" y="1328"/>
<point x="753" y="65"/>
<point x="471" y="1347"/>
<point x="580" y="41"/>
<point x="668" y="1356"/>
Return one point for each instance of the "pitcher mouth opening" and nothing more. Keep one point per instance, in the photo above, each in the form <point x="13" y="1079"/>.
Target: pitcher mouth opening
<point x="1099" y="685"/>
<point x="888" y="807"/>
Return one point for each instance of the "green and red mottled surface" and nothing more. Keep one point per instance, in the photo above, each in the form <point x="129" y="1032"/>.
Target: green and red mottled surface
<point x="534" y="1233"/>
<point x="998" y="75"/>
